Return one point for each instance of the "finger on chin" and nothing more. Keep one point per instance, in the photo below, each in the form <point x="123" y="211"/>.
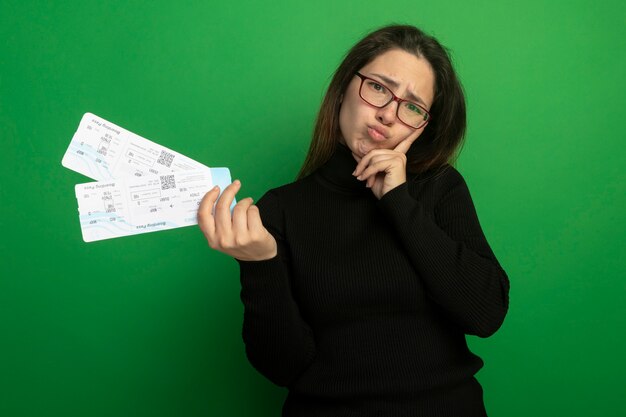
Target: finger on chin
<point x="404" y="146"/>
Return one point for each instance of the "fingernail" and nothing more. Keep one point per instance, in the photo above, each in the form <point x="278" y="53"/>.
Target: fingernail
<point x="359" y="178"/>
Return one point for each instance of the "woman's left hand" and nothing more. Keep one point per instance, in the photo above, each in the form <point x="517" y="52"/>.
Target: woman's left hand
<point x="383" y="169"/>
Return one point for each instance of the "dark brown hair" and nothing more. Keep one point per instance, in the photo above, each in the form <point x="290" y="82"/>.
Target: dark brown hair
<point x="444" y="133"/>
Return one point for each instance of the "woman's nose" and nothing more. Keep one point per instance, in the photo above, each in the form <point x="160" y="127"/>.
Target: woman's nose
<point x="387" y="115"/>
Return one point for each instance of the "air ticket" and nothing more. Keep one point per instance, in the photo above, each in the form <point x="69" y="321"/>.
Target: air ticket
<point x="104" y="151"/>
<point x="142" y="186"/>
<point x="133" y="205"/>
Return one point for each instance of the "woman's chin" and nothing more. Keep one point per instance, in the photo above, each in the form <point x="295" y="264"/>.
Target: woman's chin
<point x="362" y="149"/>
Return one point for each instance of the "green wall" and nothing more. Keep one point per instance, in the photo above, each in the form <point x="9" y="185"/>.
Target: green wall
<point x="150" y="325"/>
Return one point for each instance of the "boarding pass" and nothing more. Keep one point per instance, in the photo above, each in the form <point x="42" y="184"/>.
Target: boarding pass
<point x="134" y="205"/>
<point x="142" y="186"/>
<point x="105" y="151"/>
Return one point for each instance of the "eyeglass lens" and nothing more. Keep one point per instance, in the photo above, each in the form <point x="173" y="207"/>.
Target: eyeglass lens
<point x="378" y="95"/>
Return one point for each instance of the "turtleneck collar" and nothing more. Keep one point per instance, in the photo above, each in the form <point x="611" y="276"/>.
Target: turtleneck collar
<point x="336" y="173"/>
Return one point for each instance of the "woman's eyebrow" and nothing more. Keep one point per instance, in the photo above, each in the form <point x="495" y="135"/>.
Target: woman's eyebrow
<point x="395" y="85"/>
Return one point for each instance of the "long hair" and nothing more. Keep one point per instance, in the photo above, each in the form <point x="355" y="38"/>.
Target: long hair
<point x="442" y="136"/>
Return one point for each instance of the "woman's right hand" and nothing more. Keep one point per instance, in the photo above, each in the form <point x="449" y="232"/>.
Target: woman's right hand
<point x="240" y="235"/>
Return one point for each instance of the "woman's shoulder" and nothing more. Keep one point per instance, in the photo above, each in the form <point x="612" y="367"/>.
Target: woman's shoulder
<point x="438" y="179"/>
<point x="288" y="192"/>
<point x="438" y="185"/>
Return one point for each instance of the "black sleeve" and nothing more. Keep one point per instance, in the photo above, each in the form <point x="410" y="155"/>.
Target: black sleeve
<point x="451" y="254"/>
<point x="279" y="344"/>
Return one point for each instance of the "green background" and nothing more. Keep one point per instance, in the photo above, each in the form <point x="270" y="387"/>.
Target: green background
<point x="150" y="325"/>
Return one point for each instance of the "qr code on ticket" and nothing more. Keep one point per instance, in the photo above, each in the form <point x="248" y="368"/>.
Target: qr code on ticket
<point x="167" y="182"/>
<point x="166" y="159"/>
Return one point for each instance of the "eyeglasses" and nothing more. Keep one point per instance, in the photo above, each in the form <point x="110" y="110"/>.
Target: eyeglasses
<point x="378" y="95"/>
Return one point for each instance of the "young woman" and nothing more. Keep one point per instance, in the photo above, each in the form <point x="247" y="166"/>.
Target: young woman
<point x="361" y="279"/>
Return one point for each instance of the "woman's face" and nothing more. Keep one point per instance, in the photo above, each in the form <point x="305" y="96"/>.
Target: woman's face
<point x="365" y="127"/>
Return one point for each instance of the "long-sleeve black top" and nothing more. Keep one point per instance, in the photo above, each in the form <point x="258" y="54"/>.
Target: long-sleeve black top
<point x="370" y="298"/>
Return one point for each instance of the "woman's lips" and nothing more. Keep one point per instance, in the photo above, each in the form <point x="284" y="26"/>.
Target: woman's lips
<point x="375" y="134"/>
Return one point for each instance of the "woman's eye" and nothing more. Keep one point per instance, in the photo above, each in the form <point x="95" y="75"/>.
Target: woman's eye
<point x="377" y="87"/>
<point x="414" y="108"/>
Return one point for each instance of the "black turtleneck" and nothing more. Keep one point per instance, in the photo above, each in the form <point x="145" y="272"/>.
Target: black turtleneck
<point x="365" y="309"/>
